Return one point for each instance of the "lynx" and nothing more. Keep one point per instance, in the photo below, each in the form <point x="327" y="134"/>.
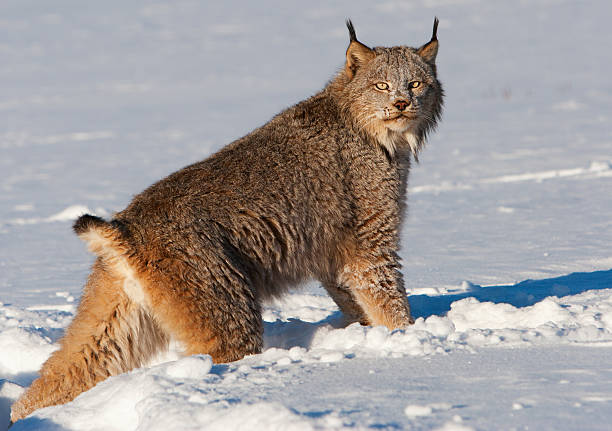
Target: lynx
<point x="317" y="192"/>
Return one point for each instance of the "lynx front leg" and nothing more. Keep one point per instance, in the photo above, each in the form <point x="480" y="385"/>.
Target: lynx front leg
<point x="377" y="287"/>
<point x="345" y="300"/>
<point x="369" y="264"/>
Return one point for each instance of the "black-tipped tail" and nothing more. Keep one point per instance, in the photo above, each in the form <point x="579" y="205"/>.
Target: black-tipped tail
<point x="108" y="240"/>
<point x="87" y="222"/>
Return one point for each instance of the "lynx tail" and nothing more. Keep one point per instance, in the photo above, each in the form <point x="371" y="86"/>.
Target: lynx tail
<point x="102" y="238"/>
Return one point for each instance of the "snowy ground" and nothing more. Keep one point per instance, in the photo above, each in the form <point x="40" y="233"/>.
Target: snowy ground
<point x="506" y="246"/>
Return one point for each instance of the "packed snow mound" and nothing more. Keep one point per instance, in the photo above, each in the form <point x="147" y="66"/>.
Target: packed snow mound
<point x="69" y="213"/>
<point x="193" y="391"/>
<point x="22" y="350"/>
<point x="180" y="395"/>
<point x="470" y="324"/>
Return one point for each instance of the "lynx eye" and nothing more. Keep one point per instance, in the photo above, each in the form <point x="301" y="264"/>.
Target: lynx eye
<point x="382" y="86"/>
<point x="415" y="84"/>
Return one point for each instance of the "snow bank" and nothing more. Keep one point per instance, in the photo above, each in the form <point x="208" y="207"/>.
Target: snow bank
<point x="27" y="337"/>
<point x="179" y="395"/>
<point x="22" y="350"/>
<point x="67" y="214"/>
<point x="470" y="324"/>
<point x="194" y="392"/>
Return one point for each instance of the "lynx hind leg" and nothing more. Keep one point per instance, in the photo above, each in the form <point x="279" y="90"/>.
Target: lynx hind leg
<point x="377" y="286"/>
<point x="210" y="312"/>
<point x="200" y="296"/>
<point x="110" y="334"/>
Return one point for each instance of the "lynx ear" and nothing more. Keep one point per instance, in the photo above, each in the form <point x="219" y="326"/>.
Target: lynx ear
<point x="429" y="51"/>
<point x="357" y="54"/>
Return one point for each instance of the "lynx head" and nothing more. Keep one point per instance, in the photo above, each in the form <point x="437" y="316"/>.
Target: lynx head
<point x="391" y="94"/>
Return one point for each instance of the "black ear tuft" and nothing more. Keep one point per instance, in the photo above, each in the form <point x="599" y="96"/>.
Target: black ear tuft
<point x="434" y="36"/>
<point x="351" y="30"/>
<point x="357" y="54"/>
<point x="429" y="51"/>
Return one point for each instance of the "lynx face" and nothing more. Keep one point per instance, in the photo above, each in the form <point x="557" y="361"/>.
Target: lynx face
<point x="393" y="93"/>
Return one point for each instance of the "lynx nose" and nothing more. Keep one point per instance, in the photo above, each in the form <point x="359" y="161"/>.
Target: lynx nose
<point x="401" y="104"/>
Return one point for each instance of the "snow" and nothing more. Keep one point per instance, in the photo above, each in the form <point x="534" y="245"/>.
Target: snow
<point x="506" y="245"/>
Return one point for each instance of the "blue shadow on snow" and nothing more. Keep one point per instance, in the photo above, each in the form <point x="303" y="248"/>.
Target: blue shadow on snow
<point x="522" y="294"/>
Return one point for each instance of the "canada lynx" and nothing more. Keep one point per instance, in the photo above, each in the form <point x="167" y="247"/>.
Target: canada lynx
<point x="318" y="192"/>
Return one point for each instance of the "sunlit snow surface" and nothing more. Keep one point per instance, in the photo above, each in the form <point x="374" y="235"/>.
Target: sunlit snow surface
<point x="506" y="244"/>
